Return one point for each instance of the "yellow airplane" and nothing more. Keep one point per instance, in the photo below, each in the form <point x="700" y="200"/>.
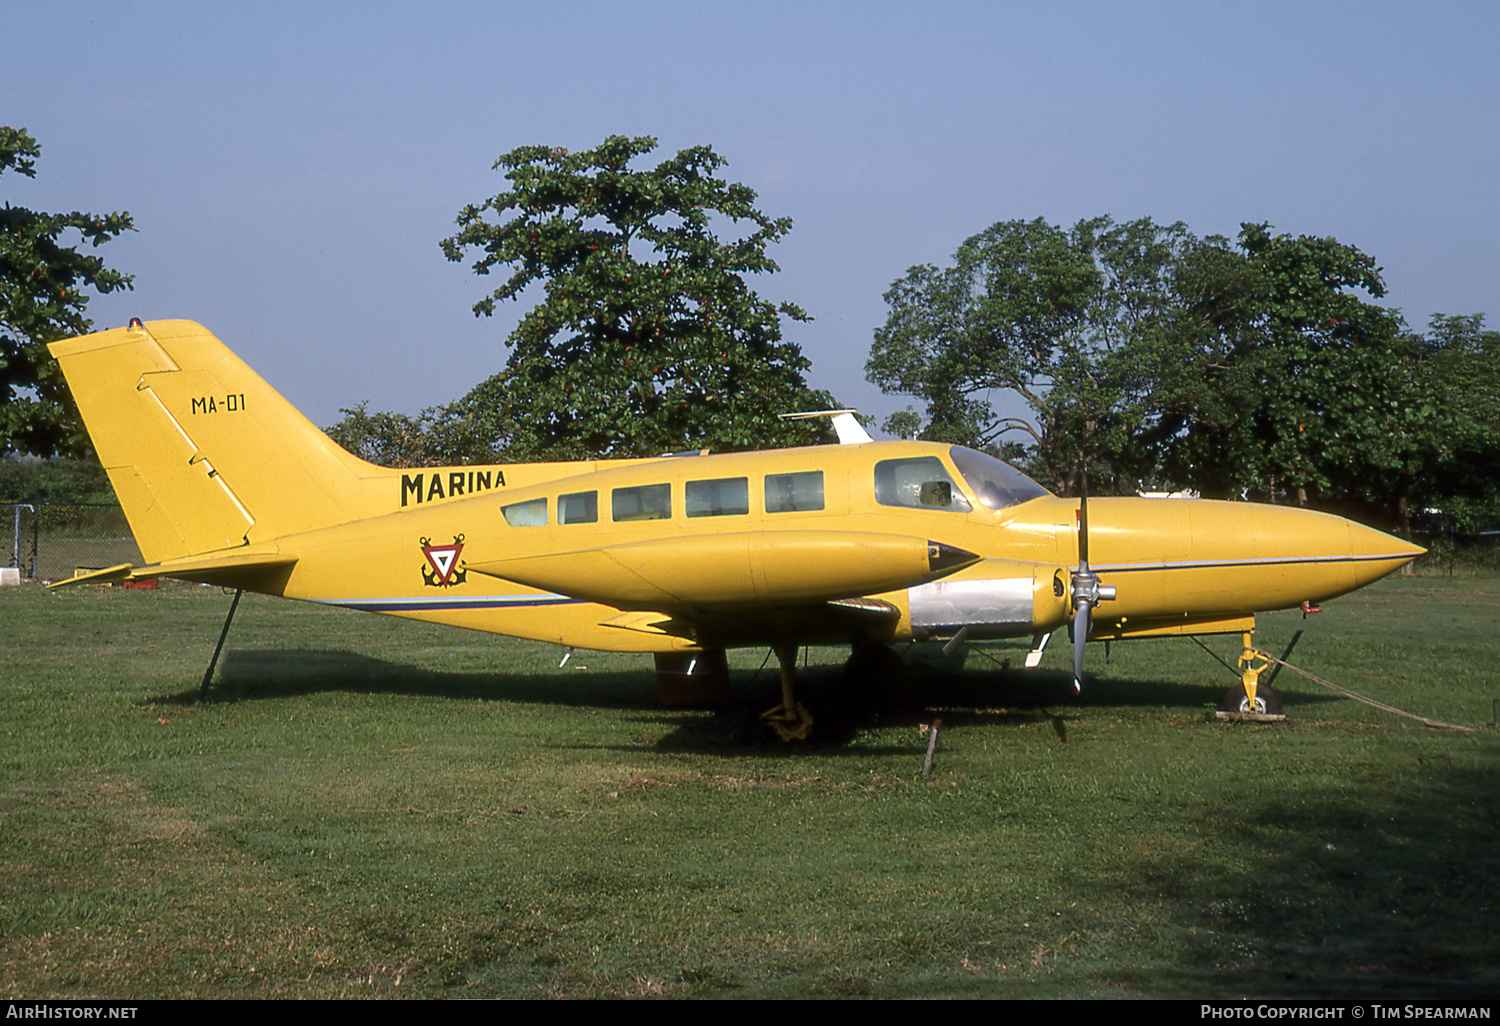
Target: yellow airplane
<point x="867" y="543"/>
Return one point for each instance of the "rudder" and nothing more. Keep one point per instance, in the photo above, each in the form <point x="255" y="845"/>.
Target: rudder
<point x="203" y="454"/>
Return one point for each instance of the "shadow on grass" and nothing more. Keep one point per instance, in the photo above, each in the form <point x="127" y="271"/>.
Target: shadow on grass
<point x="842" y="707"/>
<point x="1131" y="693"/>
<point x="1365" y="892"/>
<point x="246" y="675"/>
<point x="251" y="675"/>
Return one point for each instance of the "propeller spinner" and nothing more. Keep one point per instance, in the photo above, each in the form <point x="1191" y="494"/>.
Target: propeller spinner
<point x="1086" y="590"/>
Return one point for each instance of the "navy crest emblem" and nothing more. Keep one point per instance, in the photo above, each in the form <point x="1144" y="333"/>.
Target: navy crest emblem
<point x="442" y="569"/>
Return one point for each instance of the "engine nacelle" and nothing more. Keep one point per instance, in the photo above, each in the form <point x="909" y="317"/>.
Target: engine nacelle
<point x="994" y="598"/>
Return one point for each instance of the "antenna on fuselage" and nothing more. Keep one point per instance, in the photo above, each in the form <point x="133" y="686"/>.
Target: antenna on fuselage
<point x="845" y="424"/>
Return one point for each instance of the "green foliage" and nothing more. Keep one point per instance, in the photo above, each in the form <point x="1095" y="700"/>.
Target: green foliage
<point x="1151" y="357"/>
<point x="54" y="481"/>
<point x="42" y="299"/>
<point x="647" y="338"/>
<point x="465" y="431"/>
<point x="1316" y="394"/>
<point x="1307" y="386"/>
<point x="1463" y="364"/>
<point x="1072" y="321"/>
<point x="385" y="439"/>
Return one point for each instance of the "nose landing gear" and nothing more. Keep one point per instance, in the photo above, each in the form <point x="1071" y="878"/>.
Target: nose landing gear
<point x="1250" y="699"/>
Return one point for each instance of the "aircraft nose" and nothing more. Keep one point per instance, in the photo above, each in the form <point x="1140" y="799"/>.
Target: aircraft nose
<point x="1377" y="553"/>
<point x="1169" y="556"/>
<point x="1324" y="554"/>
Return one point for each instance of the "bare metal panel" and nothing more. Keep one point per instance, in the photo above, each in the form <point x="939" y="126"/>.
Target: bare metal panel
<point x="996" y="607"/>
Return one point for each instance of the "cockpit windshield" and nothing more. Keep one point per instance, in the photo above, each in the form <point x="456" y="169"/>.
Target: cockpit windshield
<point x="997" y="485"/>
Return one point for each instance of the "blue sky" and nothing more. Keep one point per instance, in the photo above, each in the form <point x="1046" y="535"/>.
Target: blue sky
<point x="291" y="167"/>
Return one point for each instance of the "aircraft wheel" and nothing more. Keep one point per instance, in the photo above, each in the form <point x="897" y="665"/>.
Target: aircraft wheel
<point x="1267" y="700"/>
<point x="790" y="725"/>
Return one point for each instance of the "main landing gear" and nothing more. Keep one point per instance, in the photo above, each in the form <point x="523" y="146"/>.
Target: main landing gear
<point x="790" y="719"/>
<point x="872" y="679"/>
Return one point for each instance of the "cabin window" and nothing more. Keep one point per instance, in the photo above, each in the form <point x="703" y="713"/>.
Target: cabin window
<point x="531" y="513"/>
<point x="997" y="484"/>
<point x="645" y="502"/>
<point x="789" y="493"/>
<point x="722" y="497"/>
<point x="920" y="483"/>
<point x="578" y="508"/>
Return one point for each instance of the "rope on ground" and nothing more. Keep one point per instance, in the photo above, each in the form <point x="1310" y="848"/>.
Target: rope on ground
<point x="1361" y="698"/>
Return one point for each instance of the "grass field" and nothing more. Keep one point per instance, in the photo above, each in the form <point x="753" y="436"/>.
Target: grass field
<point x="375" y="808"/>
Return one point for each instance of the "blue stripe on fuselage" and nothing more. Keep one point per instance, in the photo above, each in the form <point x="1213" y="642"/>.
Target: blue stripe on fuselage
<point x="411" y="604"/>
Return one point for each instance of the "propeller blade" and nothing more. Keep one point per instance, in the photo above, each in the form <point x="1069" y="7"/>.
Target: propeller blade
<point x="1083" y="527"/>
<point x="1082" y="601"/>
<point x="1087" y="591"/>
<point x="1080" y="634"/>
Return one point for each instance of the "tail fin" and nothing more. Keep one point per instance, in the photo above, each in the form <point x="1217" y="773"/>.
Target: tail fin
<point x="203" y="454"/>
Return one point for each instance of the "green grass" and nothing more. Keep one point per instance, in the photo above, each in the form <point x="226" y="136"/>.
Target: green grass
<point x="371" y="807"/>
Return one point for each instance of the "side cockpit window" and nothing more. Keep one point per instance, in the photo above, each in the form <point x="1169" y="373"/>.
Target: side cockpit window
<point x="532" y="513"/>
<point x="997" y="484"/>
<point x="920" y="482"/>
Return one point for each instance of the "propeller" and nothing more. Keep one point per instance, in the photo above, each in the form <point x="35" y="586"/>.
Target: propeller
<point x="1086" y="590"/>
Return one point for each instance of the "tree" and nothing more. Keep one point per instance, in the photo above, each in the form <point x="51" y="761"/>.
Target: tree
<point x="647" y="338"/>
<point x="1463" y="360"/>
<point x="385" y="439"/>
<point x="1068" y="320"/>
<point x="1247" y="368"/>
<point x="54" y="481"/>
<point x="1247" y="394"/>
<point x="42" y="299"/>
<point x="459" y="432"/>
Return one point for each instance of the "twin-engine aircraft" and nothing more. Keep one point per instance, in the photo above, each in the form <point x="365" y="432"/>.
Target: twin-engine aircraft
<point x="866" y="543"/>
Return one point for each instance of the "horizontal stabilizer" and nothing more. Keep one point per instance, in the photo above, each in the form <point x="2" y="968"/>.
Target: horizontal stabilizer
<point x="220" y="569"/>
<point x="109" y="575"/>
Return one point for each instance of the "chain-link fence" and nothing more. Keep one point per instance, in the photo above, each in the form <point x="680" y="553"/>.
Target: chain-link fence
<point x="53" y="542"/>
<point x="20" y="534"/>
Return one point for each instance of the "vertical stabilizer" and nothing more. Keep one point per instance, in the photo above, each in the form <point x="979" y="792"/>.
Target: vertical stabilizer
<point x="203" y="454"/>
